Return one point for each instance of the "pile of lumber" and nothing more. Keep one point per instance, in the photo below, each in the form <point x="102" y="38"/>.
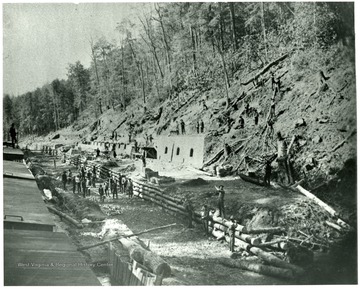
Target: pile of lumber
<point x="249" y="241"/>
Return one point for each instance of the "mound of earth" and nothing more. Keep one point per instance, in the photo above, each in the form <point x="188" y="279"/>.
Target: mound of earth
<point x="82" y="208"/>
<point x="194" y="183"/>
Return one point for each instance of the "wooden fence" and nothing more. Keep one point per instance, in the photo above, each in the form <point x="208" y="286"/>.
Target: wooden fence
<point x="170" y="204"/>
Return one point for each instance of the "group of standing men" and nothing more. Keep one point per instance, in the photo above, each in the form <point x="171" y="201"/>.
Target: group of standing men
<point x="112" y="185"/>
<point x="200" y="126"/>
<point x="82" y="182"/>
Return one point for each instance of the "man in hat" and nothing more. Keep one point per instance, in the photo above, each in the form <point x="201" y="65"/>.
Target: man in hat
<point x="221" y="196"/>
<point x="64" y="179"/>
<point x="101" y="193"/>
<point x="130" y="188"/>
<point x="267" y="173"/>
<point x="205" y="219"/>
<point x="190" y="210"/>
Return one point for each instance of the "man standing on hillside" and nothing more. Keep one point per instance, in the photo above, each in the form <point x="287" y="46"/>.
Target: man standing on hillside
<point x="204" y="105"/>
<point x="241" y="122"/>
<point x="256" y="118"/>
<point x="201" y="126"/>
<point x="282" y="157"/>
<point x="267" y="173"/>
<point x="221" y="196"/>
<point x="143" y="158"/>
<point x="84" y="187"/>
<point x="182" y="124"/>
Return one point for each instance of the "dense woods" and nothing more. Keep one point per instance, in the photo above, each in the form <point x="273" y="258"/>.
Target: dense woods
<point x="172" y="47"/>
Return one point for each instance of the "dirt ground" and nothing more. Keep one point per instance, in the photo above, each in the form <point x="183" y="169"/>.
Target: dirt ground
<point x="191" y="255"/>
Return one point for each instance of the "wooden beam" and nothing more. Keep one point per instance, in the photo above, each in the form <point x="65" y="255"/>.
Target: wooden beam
<point x="266" y="68"/>
<point x="124" y="236"/>
<point x="258" y="268"/>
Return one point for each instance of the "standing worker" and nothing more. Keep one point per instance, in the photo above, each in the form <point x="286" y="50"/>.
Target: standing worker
<point x="221" y="196"/>
<point x="130" y="188"/>
<point x="69" y="176"/>
<point x="241" y="122"/>
<point x="201" y="126"/>
<point x="267" y="173"/>
<point x="114" y="189"/>
<point x="77" y="180"/>
<point x="101" y="193"/>
<point x="182" y="125"/>
<point x="74" y="184"/>
<point x="120" y="184"/>
<point x="143" y="158"/>
<point x="282" y="157"/>
<point x="256" y="118"/>
<point x="64" y="179"/>
<point x="94" y="171"/>
<point x="83" y="187"/>
<point x="93" y="180"/>
<point x="106" y="186"/>
<point x="13" y="134"/>
<point x="123" y="183"/>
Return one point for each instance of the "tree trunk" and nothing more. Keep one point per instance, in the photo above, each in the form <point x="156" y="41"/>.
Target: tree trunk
<point x="226" y="76"/>
<point x="146" y="258"/>
<point x="152" y="44"/>
<point x="258" y="268"/>
<point x="140" y="70"/>
<point x="263" y="29"/>
<point x="271" y="259"/>
<point x="166" y="44"/>
<point x="233" y="28"/>
<point x="123" y="77"/>
<point x="155" y="77"/>
<point x="221" y="27"/>
<point x="193" y="49"/>
<point x="143" y="83"/>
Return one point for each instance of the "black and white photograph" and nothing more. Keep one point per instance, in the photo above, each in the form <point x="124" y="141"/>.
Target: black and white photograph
<point x="179" y="143"/>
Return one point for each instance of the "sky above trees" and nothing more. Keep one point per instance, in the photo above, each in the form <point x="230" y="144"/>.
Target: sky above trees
<point x="41" y="40"/>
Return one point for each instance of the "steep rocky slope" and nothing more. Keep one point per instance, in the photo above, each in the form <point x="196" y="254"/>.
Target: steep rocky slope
<point x="326" y="116"/>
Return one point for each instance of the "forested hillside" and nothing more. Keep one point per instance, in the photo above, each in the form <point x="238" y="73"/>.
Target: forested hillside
<point x="174" y="55"/>
<point x="175" y="47"/>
